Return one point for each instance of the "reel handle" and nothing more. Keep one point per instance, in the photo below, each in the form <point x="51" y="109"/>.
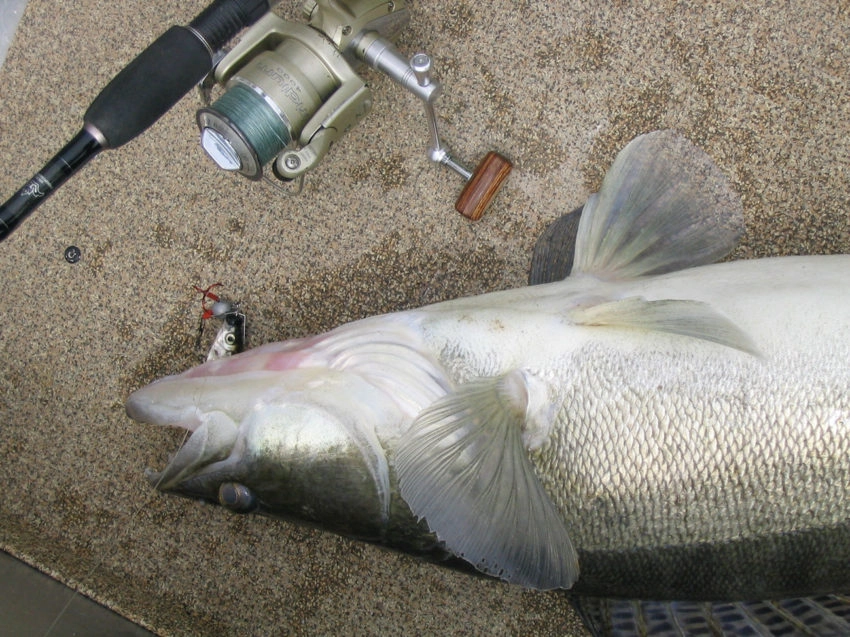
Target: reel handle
<point x="481" y="185"/>
<point x="415" y="76"/>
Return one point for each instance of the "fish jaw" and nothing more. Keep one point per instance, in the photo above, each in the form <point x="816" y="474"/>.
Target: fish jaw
<point x="292" y="430"/>
<point x="290" y="460"/>
<point x="226" y="408"/>
<point x="232" y="385"/>
<point x="186" y="401"/>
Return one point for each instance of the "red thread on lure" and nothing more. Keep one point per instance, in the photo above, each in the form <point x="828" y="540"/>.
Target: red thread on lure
<point x="215" y="298"/>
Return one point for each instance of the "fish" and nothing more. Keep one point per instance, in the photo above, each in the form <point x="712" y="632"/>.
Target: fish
<point x="662" y="433"/>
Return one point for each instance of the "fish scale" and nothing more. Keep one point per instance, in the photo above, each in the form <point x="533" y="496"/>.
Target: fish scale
<point x="750" y="446"/>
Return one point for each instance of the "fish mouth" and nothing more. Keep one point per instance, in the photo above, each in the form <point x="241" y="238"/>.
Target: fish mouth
<point x="164" y="403"/>
<point x="187" y="400"/>
<point x="210" y="464"/>
<point x="211" y="435"/>
<point x="217" y="483"/>
<point x="209" y="438"/>
<point x="210" y="408"/>
<point x="206" y="459"/>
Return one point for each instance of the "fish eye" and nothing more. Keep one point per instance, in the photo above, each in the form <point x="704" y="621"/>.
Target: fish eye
<point x="230" y="339"/>
<point x="237" y="497"/>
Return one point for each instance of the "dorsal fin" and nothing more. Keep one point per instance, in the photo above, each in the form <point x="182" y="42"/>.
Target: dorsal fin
<point x="664" y="205"/>
<point x="554" y="250"/>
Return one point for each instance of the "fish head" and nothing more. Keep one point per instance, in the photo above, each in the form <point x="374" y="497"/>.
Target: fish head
<point x="274" y="431"/>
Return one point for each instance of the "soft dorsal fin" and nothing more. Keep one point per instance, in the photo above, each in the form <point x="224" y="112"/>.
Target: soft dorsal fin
<point x="463" y="467"/>
<point x="684" y="317"/>
<point x="664" y="205"/>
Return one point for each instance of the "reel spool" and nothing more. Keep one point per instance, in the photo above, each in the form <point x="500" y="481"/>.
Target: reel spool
<point x="291" y="91"/>
<point x="287" y="85"/>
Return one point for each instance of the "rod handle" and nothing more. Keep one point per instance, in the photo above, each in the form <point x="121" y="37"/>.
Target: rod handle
<point x="138" y="96"/>
<point x="157" y="78"/>
<point x="483" y="185"/>
<point x="149" y="86"/>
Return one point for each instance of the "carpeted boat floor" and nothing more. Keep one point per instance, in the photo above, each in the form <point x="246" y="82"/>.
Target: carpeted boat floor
<point x="557" y="87"/>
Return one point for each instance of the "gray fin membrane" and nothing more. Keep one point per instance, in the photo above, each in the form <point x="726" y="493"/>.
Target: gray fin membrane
<point x="664" y="205"/>
<point x="685" y="318"/>
<point x="463" y="468"/>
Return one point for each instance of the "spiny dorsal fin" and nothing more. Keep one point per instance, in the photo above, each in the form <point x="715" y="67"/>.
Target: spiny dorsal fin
<point x="462" y="466"/>
<point x="554" y="251"/>
<point x="664" y="205"/>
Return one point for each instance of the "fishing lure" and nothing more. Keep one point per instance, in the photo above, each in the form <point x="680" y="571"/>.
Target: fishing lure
<point x="230" y="338"/>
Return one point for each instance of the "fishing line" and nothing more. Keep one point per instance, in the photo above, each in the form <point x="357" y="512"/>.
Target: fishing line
<point x="264" y="127"/>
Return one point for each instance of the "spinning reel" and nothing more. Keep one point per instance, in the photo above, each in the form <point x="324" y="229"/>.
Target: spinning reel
<point x="291" y="90"/>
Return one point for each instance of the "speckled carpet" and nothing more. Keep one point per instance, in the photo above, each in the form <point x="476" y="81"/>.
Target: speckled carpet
<point x="764" y="87"/>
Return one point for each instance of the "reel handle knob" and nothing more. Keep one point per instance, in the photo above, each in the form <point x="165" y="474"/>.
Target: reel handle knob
<point x="483" y="185"/>
<point x="415" y="75"/>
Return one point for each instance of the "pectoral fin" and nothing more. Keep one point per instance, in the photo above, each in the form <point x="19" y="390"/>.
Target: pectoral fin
<point x="463" y="467"/>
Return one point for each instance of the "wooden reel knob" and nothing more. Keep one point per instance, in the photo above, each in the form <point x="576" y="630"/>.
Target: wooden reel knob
<point x="483" y="185"/>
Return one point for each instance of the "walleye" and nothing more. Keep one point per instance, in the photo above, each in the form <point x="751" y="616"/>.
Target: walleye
<point x="652" y="427"/>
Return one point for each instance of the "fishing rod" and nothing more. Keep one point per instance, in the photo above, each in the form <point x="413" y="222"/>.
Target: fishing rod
<point x="288" y="92"/>
<point x="140" y="94"/>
